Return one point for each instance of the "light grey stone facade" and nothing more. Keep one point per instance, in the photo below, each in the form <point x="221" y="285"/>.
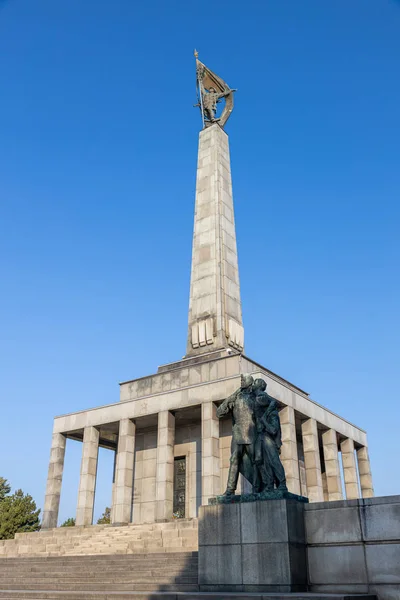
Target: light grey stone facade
<point x="172" y="414"/>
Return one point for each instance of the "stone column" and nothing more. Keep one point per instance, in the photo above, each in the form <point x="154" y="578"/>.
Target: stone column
<point x="364" y="470"/>
<point x="87" y="484"/>
<point x="210" y="472"/>
<point x="349" y="469"/>
<point x="332" y="466"/>
<point x="165" y="466"/>
<point x="303" y="478"/>
<point x="289" y="455"/>
<point x="312" y="460"/>
<point x="325" y="487"/>
<point x="113" y="486"/>
<point x="54" y="481"/>
<point x="122" y="496"/>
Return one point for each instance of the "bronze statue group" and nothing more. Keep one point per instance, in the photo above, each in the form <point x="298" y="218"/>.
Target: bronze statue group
<point x="256" y="438"/>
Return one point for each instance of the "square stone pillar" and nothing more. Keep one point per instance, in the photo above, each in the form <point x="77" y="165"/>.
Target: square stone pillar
<point x="210" y="468"/>
<point x="113" y="486"/>
<point x="289" y="455"/>
<point x="54" y="481"/>
<point x="332" y="465"/>
<point x="165" y="466"/>
<point x="87" y="484"/>
<point x="349" y="469"/>
<point x="303" y="478"/>
<point x="122" y="492"/>
<point x="364" y="470"/>
<point x="325" y="487"/>
<point x="312" y="460"/>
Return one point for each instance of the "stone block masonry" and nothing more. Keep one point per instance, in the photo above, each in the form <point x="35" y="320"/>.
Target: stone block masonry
<point x="87" y="484"/>
<point x="252" y="547"/>
<point x="332" y="465"/>
<point x="54" y="481"/>
<point x="215" y="312"/>
<point x="312" y="460"/>
<point x="354" y="546"/>
<point x="180" y="535"/>
<point x="122" y="496"/>
<point x="165" y="466"/>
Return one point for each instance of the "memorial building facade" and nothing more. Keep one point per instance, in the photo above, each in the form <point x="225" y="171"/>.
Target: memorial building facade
<point x="171" y="451"/>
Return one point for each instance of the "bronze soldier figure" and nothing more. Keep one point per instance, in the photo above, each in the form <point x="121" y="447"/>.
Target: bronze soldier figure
<point x="210" y="101"/>
<point x="269" y="442"/>
<point x="241" y="405"/>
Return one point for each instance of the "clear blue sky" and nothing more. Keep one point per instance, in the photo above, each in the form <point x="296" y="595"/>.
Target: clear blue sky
<point x="97" y="178"/>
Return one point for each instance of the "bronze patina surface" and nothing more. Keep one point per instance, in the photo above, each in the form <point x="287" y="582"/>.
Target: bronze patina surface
<point x="256" y="442"/>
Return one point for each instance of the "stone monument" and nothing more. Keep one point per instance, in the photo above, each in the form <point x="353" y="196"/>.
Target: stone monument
<point x="180" y="434"/>
<point x="172" y="449"/>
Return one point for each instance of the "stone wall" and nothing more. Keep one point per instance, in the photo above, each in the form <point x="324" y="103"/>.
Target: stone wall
<point x="342" y="547"/>
<point x="354" y="546"/>
<point x="252" y="547"/>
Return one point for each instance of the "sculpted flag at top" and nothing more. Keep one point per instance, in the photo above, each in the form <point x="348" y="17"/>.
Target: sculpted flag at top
<point x="211" y="89"/>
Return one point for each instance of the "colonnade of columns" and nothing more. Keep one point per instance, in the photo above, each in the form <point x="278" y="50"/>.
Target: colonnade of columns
<point x="320" y="484"/>
<point x="327" y="484"/>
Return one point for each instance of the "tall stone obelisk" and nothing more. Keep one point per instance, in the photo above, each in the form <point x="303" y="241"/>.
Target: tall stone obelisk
<point x="215" y="312"/>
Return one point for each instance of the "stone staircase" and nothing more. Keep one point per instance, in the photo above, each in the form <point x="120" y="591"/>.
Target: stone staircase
<point x="75" y="576"/>
<point x="176" y="536"/>
<point x="135" y="562"/>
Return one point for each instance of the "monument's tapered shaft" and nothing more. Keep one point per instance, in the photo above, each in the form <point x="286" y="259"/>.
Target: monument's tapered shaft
<point x="215" y="312"/>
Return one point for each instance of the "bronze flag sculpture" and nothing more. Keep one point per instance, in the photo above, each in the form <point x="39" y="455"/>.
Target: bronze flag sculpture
<point x="211" y="89"/>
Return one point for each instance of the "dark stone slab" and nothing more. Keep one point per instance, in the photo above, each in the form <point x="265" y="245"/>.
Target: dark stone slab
<point x="239" y="498"/>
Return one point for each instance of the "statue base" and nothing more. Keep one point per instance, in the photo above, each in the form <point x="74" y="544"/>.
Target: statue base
<point x="239" y="498"/>
<point x="249" y="543"/>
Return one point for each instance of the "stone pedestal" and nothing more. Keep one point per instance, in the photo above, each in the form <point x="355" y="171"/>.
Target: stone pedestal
<point x="253" y="547"/>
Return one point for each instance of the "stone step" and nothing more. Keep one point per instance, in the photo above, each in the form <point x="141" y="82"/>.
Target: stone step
<point x="167" y="566"/>
<point x="86" y="573"/>
<point x="178" y="556"/>
<point x="148" y="570"/>
<point x="160" y="595"/>
<point x="155" y="581"/>
<point x="112" y="585"/>
<point x="144" y="572"/>
<point x="95" y="539"/>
